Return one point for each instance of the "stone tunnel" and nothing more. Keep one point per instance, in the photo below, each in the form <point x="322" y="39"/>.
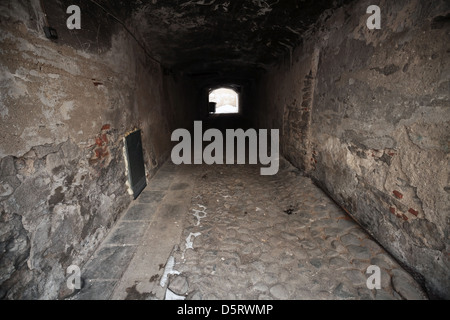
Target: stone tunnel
<point x="357" y="92"/>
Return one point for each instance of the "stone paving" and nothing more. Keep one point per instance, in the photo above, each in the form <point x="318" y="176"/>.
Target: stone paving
<point x="133" y="255"/>
<point x="238" y="235"/>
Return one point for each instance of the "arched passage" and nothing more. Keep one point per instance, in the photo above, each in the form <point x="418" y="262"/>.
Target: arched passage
<point x="223" y="100"/>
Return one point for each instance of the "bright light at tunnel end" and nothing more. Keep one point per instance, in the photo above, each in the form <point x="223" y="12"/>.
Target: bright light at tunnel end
<point x="225" y="101"/>
<point x="213" y="153"/>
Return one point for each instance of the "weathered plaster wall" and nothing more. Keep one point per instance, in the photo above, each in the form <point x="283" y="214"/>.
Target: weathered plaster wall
<point x="285" y="104"/>
<point x="63" y="114"/>
<point x="373" y="128"/>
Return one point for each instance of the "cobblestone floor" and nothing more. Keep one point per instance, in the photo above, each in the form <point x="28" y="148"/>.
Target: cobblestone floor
<point x="226" y="232"/>
<point x="249" y="236"/>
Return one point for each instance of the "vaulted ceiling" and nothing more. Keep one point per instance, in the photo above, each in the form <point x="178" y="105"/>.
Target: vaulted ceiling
<point x="207" y="37"/>
<point x="201" y="38"/>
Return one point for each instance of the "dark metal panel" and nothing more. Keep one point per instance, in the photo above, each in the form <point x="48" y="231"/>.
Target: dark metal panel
<point x="135" y="157"/>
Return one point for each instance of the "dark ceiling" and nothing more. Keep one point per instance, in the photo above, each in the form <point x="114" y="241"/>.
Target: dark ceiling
<point x="208" y="37"/>
<point x="205" y="39"/>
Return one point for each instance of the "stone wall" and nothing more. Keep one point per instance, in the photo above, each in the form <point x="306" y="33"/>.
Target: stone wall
<point x="285" y="103"/>
<point x="371" y="124"/>
<point x="64" y="110"/>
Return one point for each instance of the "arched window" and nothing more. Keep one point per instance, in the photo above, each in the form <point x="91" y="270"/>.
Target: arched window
<point x="223" y="100"/>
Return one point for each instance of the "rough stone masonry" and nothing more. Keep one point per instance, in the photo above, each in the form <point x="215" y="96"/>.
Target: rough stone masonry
<point x="364" y="113"/>
<point x="64" y="110"/>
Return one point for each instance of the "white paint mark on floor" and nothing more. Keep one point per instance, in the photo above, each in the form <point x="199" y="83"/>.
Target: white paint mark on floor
<point x="190" y="242"/>
<point x="199" y="214"/>
<point x="167" y="271"/>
